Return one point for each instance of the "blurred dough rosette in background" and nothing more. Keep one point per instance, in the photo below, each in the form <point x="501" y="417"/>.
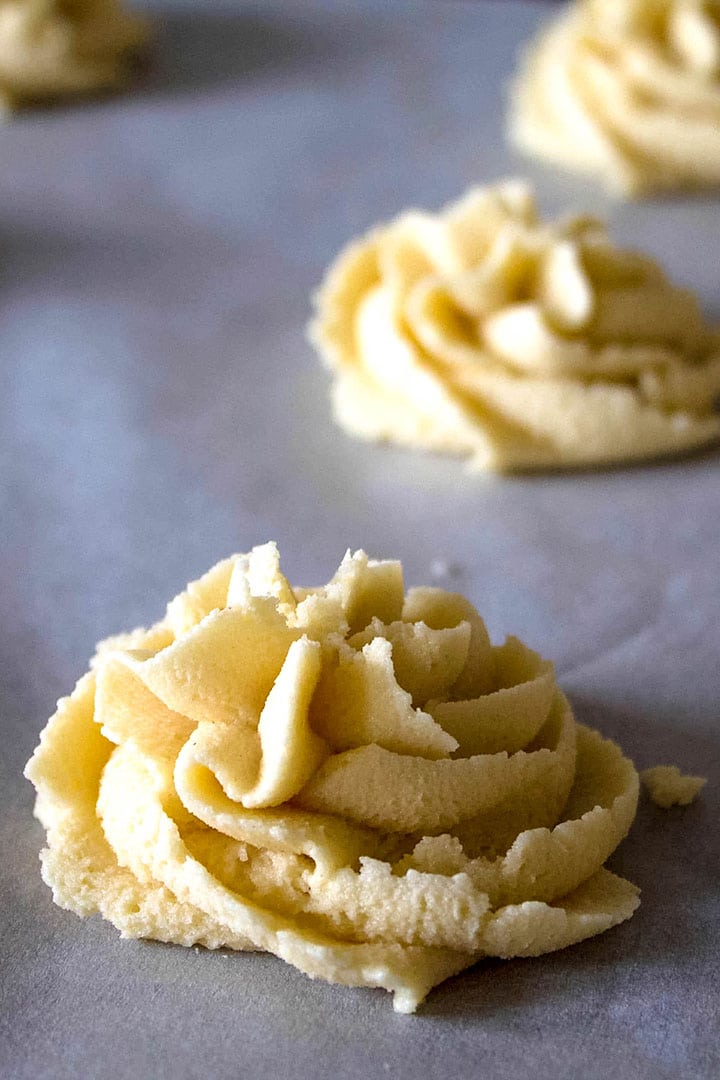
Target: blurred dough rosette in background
<point x="626" y="89"/>
<point x="350" y="777"/>
<point x="53" y="48"/>
<point x="485" y="332"/>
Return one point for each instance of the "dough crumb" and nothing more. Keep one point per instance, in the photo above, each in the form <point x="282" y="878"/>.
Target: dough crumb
<point x="667" y="786"/>
<point x="56" y="48"/>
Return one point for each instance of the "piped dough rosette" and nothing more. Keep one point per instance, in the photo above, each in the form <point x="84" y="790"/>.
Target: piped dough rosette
<point x="626" y="89"/>
<point x="53" y="48"/>
<point x="485" y="332"/>
<point x="350" y="777"/>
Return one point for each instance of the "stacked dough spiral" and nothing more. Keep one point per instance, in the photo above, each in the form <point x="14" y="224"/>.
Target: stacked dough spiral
<point x="483" y="331"/>
<point x="627" y="89"/>
<point x="350" y="777"/>
<point x="50" y="48"/>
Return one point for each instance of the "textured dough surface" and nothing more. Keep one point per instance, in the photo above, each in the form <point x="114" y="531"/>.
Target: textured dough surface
<point x="628" y="90"/>
<point x="53" y="48"/>
<point x="519" y="344"/>
<point x="268" y="769"/>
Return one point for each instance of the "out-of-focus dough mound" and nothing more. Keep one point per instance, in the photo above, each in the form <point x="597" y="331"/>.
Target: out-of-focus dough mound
<point x="486" y="332"/>
<point x="351" y="777"/>
<point x="626" y="89"/>
<point x="54" y="48"/>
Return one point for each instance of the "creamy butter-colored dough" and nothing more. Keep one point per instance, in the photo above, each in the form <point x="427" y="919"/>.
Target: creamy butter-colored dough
<point x="485" y="332"/>
<point x="351" y="777"/>
<point x="628" y="90"/>
<point x="51" y="48"/>
<point x="667" y="786"/>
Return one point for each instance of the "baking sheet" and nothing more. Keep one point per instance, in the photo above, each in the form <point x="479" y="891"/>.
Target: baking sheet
<point x="161" y="408"/>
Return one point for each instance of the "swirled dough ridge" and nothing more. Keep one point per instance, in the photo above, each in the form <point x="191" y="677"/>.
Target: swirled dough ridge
<point x="486" y="332"/>
<point x="626" y="89"/>
<point x="53" y="48"/>
<point x="352" y="778"/>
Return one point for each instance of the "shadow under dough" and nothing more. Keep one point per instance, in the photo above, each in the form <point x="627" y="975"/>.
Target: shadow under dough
<point x="192" y="50"/>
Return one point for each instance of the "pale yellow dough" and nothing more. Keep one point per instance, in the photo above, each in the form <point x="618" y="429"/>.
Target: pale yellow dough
<point x="486" y="332"/>
<point x="667" y="786"/>
<point x="351" y="777"/>
<point x="53" y="48"/>
<point x="628" y="90"/>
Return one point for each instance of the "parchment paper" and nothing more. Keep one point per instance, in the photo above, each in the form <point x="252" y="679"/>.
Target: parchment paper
<point x="161" y="409"/>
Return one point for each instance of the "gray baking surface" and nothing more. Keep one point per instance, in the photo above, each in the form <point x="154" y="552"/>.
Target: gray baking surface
<point x="161" y="408"/>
